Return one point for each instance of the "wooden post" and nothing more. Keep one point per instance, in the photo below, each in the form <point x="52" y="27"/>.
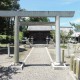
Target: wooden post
<point x="78" y="69"/>
<point x="74" y="65"/>
<point x="62" y="56"/>
<point x="71" y="62"/>
<point x="68" y="55"/>
<point x="8" y="45"/>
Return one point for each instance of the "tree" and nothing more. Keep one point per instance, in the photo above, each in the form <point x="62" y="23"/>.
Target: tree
<point x="6" y="24"/>
<point x="77" y="26"/>
<point x="39" y="19"/>
<point x="52" y="33"/>
<point x="70" y="33"/>
<point x="9" y="5"/>
<point x="23" y="28"/>
<point x="63" y="36"/>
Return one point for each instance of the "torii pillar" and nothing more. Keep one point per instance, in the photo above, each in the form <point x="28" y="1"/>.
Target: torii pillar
<point x="58" y="51"/>
<point x="16" y="40"/>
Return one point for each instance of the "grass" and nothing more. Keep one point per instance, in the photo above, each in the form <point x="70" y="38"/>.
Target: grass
<point x="3" y="45"/>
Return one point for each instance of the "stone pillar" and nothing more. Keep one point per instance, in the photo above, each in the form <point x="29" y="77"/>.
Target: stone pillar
<point x="74" y="65"/>
<point x="62" y="56"/>
<point x="78" y="69"/>
<point x="71" y="62"/>
<point x="68" y="48"/>
<point x="8" y="45"/>
<point x="16" y="40"/>
<point x="58" y="52"/>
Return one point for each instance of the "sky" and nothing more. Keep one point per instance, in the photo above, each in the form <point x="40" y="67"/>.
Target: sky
<point x="54" y="5"/>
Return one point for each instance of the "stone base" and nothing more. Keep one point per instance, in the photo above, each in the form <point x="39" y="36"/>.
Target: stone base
<point x="59" y="66"/>
<point x="19" y="65"/>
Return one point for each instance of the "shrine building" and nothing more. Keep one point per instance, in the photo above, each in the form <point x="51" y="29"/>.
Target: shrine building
<point x="39" y="34"/>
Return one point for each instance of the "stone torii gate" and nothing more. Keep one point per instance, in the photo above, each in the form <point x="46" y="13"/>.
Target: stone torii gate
<point x="56" y="14"/>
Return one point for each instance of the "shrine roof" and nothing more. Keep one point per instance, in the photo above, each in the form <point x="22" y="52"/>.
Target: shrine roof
<point x="39" y="28"/>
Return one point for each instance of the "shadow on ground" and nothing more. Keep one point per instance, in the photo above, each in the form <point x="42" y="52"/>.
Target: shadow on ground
<point x="37" y="65"/>
<point x="3" y="50"/>
<point x="7" y="72"/>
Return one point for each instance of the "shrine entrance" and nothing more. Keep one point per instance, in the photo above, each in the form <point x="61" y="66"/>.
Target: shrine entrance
<point x="55" y="14"/>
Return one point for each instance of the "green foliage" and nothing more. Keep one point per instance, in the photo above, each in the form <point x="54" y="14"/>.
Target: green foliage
<point x="39" y="19"/>
<point x="20" y="36"/>
<point x="63" y="36"/>
<point x="5" y="4"/>
<point x="8" y="5"/>
<point x="77" y="26"/>
<point x="6" y="24"/>
<point x="70" y="33"/>
<point x="2" y="36"/>
<point x="23" y="28"/>
<point x="6" y="39"/>
<point x="52" y="33"/>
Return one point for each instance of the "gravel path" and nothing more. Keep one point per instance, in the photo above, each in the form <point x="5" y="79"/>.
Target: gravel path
<point x="38" y="68"/>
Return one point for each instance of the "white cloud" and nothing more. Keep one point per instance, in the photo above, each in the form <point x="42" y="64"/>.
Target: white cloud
<point x="76" y="21"/>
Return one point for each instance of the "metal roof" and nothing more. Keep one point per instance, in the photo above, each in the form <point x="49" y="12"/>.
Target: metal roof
<point x="39" y="28"/>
